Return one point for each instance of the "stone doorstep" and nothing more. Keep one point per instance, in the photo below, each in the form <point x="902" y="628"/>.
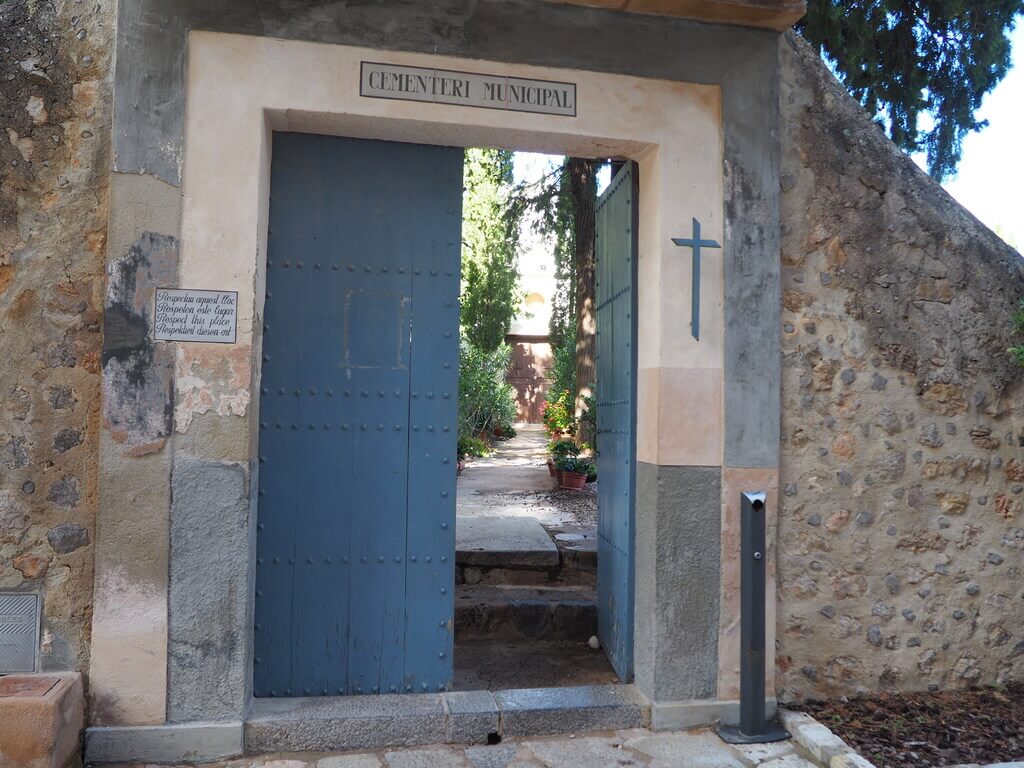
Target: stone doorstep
<point x="504" y="542"/>
<point x="525" y="613"/>
<point x="375" y="722"/>
<point x="41" y="720"/>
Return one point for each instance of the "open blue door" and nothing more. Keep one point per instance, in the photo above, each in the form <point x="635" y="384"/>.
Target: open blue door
<point x="357" y="441"/>
<point x="616" y="415"/>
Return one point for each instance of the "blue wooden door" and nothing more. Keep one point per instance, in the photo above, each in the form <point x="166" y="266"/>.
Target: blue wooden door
<point x="357" y="444"/>
<point x="616" y="415"/>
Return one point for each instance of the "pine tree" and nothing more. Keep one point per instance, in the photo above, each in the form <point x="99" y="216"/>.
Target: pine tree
<point x="906" y="58"/>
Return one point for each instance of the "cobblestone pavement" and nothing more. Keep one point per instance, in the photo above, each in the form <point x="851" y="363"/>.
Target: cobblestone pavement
<point x="615" y="749"/>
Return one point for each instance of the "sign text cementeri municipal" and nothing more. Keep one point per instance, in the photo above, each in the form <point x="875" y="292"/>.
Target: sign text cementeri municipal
<point x="467" y="89"/>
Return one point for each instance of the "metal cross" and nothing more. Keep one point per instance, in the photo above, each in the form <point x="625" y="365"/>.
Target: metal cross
<point x="696" y="243"/>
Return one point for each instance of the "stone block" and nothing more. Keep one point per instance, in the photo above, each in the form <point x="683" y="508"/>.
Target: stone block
<point x="543" y="711"/>
<point x="41" y="719"/>
<point x="507" y="542"/>
<point x="472" y="717"/>
<point x="340" y="723"/>
<point x="194" y="742"/>
<point x="818" y="740"/>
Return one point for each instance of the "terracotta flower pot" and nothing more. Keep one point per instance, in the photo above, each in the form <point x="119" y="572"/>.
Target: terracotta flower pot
<point x="558" y="476"/>
<point x="573" y="480"/>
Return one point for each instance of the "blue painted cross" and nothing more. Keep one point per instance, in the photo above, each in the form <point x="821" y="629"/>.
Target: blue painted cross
<point x="696" y="243"/>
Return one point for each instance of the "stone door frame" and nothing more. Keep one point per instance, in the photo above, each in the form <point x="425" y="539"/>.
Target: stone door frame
<point x="693" y="454"/>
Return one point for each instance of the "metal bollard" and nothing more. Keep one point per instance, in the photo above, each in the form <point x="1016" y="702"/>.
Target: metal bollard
<point x="753" y="728"/>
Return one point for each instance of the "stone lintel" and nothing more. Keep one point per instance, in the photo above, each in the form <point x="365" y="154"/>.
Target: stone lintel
<point x="779" y="15"/>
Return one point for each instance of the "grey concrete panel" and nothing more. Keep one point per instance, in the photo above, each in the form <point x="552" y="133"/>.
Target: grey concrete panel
<point x="543" y="711"/>
<point x="753" y="309"/>
<point x="338" y="723"/>
<point x="199" y="742"/>
<point x="678" y="577"/>
<point x="209" y="627"/>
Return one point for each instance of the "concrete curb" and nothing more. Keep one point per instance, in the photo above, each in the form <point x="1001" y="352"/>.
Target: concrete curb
<point x="823" y="745"/>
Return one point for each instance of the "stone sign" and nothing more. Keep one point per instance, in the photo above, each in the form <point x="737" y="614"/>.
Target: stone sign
<point x="467" y="89"/>
<point x="189" y="314"/>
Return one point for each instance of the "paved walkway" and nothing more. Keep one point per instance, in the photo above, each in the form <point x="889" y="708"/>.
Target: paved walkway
<point x="511" y="482"/>
<point x="636" y="747"/>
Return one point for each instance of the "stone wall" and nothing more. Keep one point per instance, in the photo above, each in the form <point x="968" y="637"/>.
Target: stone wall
<point x="901" y="532"/>
<point x="55" y="106"/>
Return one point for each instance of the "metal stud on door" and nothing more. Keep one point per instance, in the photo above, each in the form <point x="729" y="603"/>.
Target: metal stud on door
<point x="616" y="415"/>
<point x="358" y="393"/>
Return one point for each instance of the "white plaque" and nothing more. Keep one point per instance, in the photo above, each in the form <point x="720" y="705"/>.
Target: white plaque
<point x="466" y="89"/>
<point x="189" y="314"/>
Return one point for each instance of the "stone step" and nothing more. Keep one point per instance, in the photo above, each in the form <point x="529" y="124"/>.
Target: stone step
<point x="519" y="551"/>
<point x="341" y="723"/>
<point x="525" y="613"/>
<point x="504" y="542"/>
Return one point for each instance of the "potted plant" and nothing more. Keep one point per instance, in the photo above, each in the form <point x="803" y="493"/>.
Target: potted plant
<point x="560" y="449"/>
<point x="558" y="417"/>
<point x="574" y="472"/>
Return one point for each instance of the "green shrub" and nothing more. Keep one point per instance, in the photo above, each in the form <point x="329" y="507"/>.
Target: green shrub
<point x="1018" y="324"/>
<point x="563" y="368"/>
<point x="473" y="447"/>
<point x="564" y="448"/>
<point x="486" y="401"/>
<point x="558" y="414"/>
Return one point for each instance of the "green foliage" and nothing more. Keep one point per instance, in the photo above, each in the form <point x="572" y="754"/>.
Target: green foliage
<point x="486" y="402"/>
<point x="558" y="414"/>
<point x="563" y="369"/>
<point x="490" y="247"/>
<point x="589" y="415"/>
<point x="560" y="448"/>
<point x="905" y="58"/>
<point x="1018" y="325"/>
<point x="550" y="197"/>
<point x="472" y="446"/>
<point x="577" y="465"/>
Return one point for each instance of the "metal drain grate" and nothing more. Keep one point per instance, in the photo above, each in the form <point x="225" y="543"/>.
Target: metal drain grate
<point x="19" y="632"/>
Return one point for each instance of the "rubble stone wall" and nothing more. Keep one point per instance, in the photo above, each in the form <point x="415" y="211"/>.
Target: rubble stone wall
<point x="55" y="106"/>
<point x="901" y="530"/>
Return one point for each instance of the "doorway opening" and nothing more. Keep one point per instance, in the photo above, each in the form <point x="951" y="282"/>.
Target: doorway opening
<point x="530" y="449"/>
<point x="417" y="528"/>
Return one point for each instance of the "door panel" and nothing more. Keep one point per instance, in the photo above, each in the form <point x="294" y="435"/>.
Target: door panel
<point x="616" y="415"/>
<point x="359" y="384"/>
